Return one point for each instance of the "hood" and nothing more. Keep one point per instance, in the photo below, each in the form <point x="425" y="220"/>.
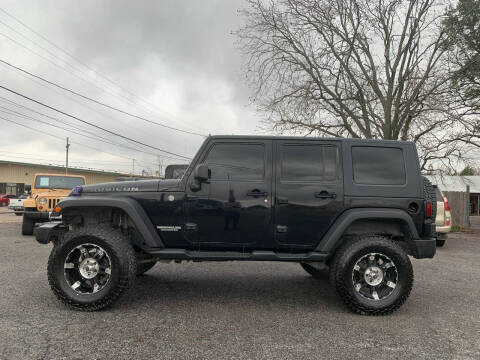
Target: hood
<point x="133" y="186"/>
<point x="51" y="193"/>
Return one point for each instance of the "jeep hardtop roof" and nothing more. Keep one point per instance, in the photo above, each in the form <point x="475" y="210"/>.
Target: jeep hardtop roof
<point x="270" y="137"/>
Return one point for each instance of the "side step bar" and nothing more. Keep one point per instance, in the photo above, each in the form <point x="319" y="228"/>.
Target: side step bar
<point x="260" y="255"/>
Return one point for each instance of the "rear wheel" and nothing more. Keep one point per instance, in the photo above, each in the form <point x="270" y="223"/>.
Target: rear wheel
<point x="91" y="267"/>
<point x="372" y="275"/>
<point x="27" y="225"/>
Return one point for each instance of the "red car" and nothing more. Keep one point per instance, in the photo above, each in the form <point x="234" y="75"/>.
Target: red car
<point x="4" y="200"/>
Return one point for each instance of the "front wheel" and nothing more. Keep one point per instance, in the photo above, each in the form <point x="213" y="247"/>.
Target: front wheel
<point x="372" y="275"/>
<point x="89" y="268"/>
<point x="27" y="225"/>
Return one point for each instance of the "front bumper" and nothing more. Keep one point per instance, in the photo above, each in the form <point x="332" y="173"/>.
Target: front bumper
<point x="49" y="231"/>
<point x="37" y="215"/>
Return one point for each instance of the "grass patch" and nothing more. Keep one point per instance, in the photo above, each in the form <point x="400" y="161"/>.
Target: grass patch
<point x="455" y="228"/>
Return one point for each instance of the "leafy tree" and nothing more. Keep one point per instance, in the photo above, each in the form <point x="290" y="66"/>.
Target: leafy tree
<point x="463" y="28"/>
<point x="468" y="171"/>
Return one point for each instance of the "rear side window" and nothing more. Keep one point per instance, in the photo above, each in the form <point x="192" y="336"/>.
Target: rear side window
<point x="236" y="161"/>
<point x="378" y="165"/>
<point x="309" y="162"/>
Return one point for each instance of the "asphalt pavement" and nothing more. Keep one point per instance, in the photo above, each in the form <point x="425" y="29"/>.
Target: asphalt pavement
<point x="238" y="310"/>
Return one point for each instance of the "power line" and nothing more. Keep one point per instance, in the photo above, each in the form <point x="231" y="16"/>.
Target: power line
<point x="118" y="86"/>
<point x="97" y="101"/>
<point x="91" y="124"/>
<point x="96" y="137"/>
<point x="62" y="139"/>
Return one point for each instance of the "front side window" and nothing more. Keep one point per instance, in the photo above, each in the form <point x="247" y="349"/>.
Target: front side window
<point x="236" y="161"/>
<point x="309" y="162"/>
<point x="378" y="165"/>
<point x="57" y="182"/>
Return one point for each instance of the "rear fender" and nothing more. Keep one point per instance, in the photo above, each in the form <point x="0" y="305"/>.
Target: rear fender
<point x="334" y="237"/>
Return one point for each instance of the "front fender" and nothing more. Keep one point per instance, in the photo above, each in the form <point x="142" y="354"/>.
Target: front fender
<point x="131" y="207"/>
<point x="29" y="203"/>
<point x="333" y="237"/>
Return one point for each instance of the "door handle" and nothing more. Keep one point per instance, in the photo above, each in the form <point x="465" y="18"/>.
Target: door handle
<point x="325" y="195"/>
<point x="256" y="192"/>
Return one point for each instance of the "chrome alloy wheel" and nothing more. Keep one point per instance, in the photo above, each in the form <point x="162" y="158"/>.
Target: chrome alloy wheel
<point x="374" y="276"/>
<point x="87" y="268"/>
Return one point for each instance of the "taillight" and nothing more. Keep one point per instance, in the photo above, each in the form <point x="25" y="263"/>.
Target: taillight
<point x="429" y="209"/>
<point x="446" y="206"/>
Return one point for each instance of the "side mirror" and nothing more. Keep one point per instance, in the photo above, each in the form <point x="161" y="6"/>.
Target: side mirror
<point x="201" y="173"/>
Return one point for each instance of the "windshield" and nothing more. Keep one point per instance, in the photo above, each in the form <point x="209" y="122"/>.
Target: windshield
<point x="57" y="182"/>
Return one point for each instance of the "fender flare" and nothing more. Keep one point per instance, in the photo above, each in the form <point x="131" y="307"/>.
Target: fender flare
<point x="131" y="207"/>
<point x="333" y="237"/>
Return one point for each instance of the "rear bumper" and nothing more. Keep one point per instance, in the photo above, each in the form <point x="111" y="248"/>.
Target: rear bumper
<point x="16" y="208"/>
<point x="424" y="248"/>
<point x="443" y="229"/>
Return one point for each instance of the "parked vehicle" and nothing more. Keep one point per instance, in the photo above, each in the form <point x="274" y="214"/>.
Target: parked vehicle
<point x="357" y="207"/>
<point x="4" y="200"/>
<point x="47" y="190"/>
<point x="175" y="171"/>
<point x="443" y="221"/>
<point x="17" y="204"/>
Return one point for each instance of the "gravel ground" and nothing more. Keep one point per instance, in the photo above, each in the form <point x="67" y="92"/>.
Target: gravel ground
<point x="235" y="310"/>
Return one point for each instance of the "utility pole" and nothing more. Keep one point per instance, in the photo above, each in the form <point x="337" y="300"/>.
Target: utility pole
<point x="159" y="166"/>
<point x="66" y="159"/>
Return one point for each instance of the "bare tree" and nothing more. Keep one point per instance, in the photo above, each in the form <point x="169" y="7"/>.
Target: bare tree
<point x="369" y="69"/>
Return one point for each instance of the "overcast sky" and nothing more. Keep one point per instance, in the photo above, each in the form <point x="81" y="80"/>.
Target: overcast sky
<point x="176" y="62"/>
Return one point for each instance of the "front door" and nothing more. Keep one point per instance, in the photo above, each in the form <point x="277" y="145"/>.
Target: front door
<point x="234" y="208"/>
<point x="309" y="191"/>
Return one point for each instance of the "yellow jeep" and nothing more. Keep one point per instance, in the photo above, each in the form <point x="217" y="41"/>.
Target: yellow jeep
<point x="46" y="191"/>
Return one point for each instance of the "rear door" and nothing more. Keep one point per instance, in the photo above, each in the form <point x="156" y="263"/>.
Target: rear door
<point x="308" y="191"/>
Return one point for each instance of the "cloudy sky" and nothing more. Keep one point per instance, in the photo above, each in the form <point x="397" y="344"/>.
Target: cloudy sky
<point x="173" y="62"/>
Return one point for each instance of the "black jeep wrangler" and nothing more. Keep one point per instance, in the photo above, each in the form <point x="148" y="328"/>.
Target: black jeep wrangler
<point x="355" y="207"/>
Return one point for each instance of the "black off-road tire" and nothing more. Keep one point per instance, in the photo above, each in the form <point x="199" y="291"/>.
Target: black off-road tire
<point x="341" y="270"/>
<point x="429" y="194"/>
<point x="123" y="266"/>
<point x="27" y="225"/>
<point x="312" y="270"/>
<point x="440" y="242"/>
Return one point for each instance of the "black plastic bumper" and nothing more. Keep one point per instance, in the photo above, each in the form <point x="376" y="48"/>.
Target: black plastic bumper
<point x="37" y="215"/>
<point x="49" y="231"/>
<point x="424" y="248"/>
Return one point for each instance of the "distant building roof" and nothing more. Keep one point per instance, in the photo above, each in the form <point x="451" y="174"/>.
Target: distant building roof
<point x="456" y="183"/>
<point x="57" y="167"/>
